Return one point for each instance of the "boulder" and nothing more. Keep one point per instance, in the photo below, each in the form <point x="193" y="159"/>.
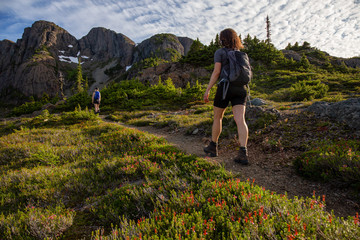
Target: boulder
<point x="290" y="54"/>
<point x="353" y="62"/>
<point x="257" y="102"/>
<point x="347" y="111"/>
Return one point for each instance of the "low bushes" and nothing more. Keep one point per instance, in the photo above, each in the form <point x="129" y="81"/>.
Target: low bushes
<point x="57" y="180"/>
<point x="134" y="95"/>
<point x="301" y="91"/>
<point x="337" y="160"/>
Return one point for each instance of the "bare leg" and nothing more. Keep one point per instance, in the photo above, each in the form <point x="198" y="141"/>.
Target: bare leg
<point x="217" y="124"/>
<point x="239" y="117"/>
<point x="96" y="108"/>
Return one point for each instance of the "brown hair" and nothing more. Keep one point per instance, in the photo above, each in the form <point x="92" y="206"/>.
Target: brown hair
<point x="230" y="39"/>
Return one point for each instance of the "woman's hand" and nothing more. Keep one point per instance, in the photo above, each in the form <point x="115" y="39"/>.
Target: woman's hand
<point x="214" y="76"/>
<point x="206" y="95"/>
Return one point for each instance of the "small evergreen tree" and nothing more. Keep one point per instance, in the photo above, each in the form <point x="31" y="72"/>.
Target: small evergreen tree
<point x="79" y="78"/>
<point x="217" y="41"/>
<point x="304" y="62"/>
<point x="268" y="31"/>
<point x="306" y="46"/>
<point x="86" y="84"/>
<point x="288" y="47"/>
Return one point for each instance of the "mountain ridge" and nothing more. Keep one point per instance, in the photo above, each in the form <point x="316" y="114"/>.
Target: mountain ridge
<point x="45" y="60"/>
<point x="32" y="65"/>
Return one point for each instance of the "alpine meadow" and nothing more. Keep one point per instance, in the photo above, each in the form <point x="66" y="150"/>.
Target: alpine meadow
<point x="137" y="169"/>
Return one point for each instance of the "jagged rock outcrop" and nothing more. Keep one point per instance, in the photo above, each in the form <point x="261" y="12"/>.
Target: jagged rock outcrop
<point x="29" y="66"/>
<point x="347" y="111"/>
<point x="165" y="46"/>
<point x="180" y="74"/>
<point x="353" y="62"/>
<point x="186" y="42"/>
<point x="290" y="54"/>
<point x="102" y="44"/>
<point x="47" y="36"/>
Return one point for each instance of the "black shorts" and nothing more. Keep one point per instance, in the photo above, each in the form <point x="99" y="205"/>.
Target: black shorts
<point x="236" y="95"/>
<point x="96" y="101"/>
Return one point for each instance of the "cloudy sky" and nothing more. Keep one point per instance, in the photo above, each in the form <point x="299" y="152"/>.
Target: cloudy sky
<point x="330" y="25"/>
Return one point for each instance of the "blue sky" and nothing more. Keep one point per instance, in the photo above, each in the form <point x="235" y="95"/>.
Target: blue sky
<point x="330" y="25"/>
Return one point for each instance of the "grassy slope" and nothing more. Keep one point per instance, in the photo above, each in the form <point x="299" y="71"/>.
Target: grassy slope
<point x="66" y="176"/>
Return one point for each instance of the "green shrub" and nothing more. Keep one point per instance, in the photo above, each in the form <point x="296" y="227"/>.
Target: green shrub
<point x="26" y="108"/>
<point x="37" y="223"/>
<point x="302" y="91"/>
<point x="78" y="116"/>
<point x="134" y="95"/>
<point x="82" y="99"/>
<point x="332" y="160"/>
<point x="230" y="210"/>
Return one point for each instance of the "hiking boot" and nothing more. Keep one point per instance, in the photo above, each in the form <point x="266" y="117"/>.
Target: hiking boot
<point x="211" y="149"/>
<point x="242" y="157"/>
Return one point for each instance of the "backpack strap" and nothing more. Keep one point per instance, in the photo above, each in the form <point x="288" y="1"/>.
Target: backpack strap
<point x="225" y="80"/>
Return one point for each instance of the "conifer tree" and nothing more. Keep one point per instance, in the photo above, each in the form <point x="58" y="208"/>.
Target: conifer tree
<point x="217" y="41"/>
<point x="79" y="78"/>
<point x="86" y="84"/>
<point x="304" y="62"/>
<point x="268" y="31"/>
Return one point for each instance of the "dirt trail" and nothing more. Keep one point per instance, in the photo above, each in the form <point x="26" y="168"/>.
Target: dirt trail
<point x="274" y="171"/>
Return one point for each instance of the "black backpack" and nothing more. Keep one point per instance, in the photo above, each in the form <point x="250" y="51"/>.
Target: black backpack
<point x="239" y="70"/>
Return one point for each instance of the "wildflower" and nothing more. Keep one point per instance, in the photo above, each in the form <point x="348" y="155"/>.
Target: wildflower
<point x="356" y="219"/>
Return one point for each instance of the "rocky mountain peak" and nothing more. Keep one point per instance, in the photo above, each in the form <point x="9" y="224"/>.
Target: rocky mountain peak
<point x="44" y="34"/>
<point x="166" y="46"/>
<point x="104" y="44"/>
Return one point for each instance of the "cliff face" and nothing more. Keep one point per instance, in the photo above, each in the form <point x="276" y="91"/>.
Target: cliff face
<point x="101" y="44"/>
<point x="186" y="43"/>
<point x="32" y="65"/>
<point x="165" y="46"/>
<point x="29" y="66"/>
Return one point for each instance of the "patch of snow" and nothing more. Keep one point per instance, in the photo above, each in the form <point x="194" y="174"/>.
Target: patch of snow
<point x="62" y="51"/>
<point x="85" y="57"/>
<point x="70" y="46"/>
<point x="68" y="59"/>
<point x="128" y="67"/>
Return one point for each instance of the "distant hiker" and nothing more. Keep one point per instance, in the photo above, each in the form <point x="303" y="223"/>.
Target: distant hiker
<point x="96" y="99"/>
<point x="234" y="92"/>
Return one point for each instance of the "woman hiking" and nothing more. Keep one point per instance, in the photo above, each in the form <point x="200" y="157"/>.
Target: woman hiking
<point x="96" y="99"/>
<point x="236" y="94"/>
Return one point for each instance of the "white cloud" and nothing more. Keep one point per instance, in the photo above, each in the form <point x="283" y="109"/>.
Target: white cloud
<point x="330" y="25"/>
